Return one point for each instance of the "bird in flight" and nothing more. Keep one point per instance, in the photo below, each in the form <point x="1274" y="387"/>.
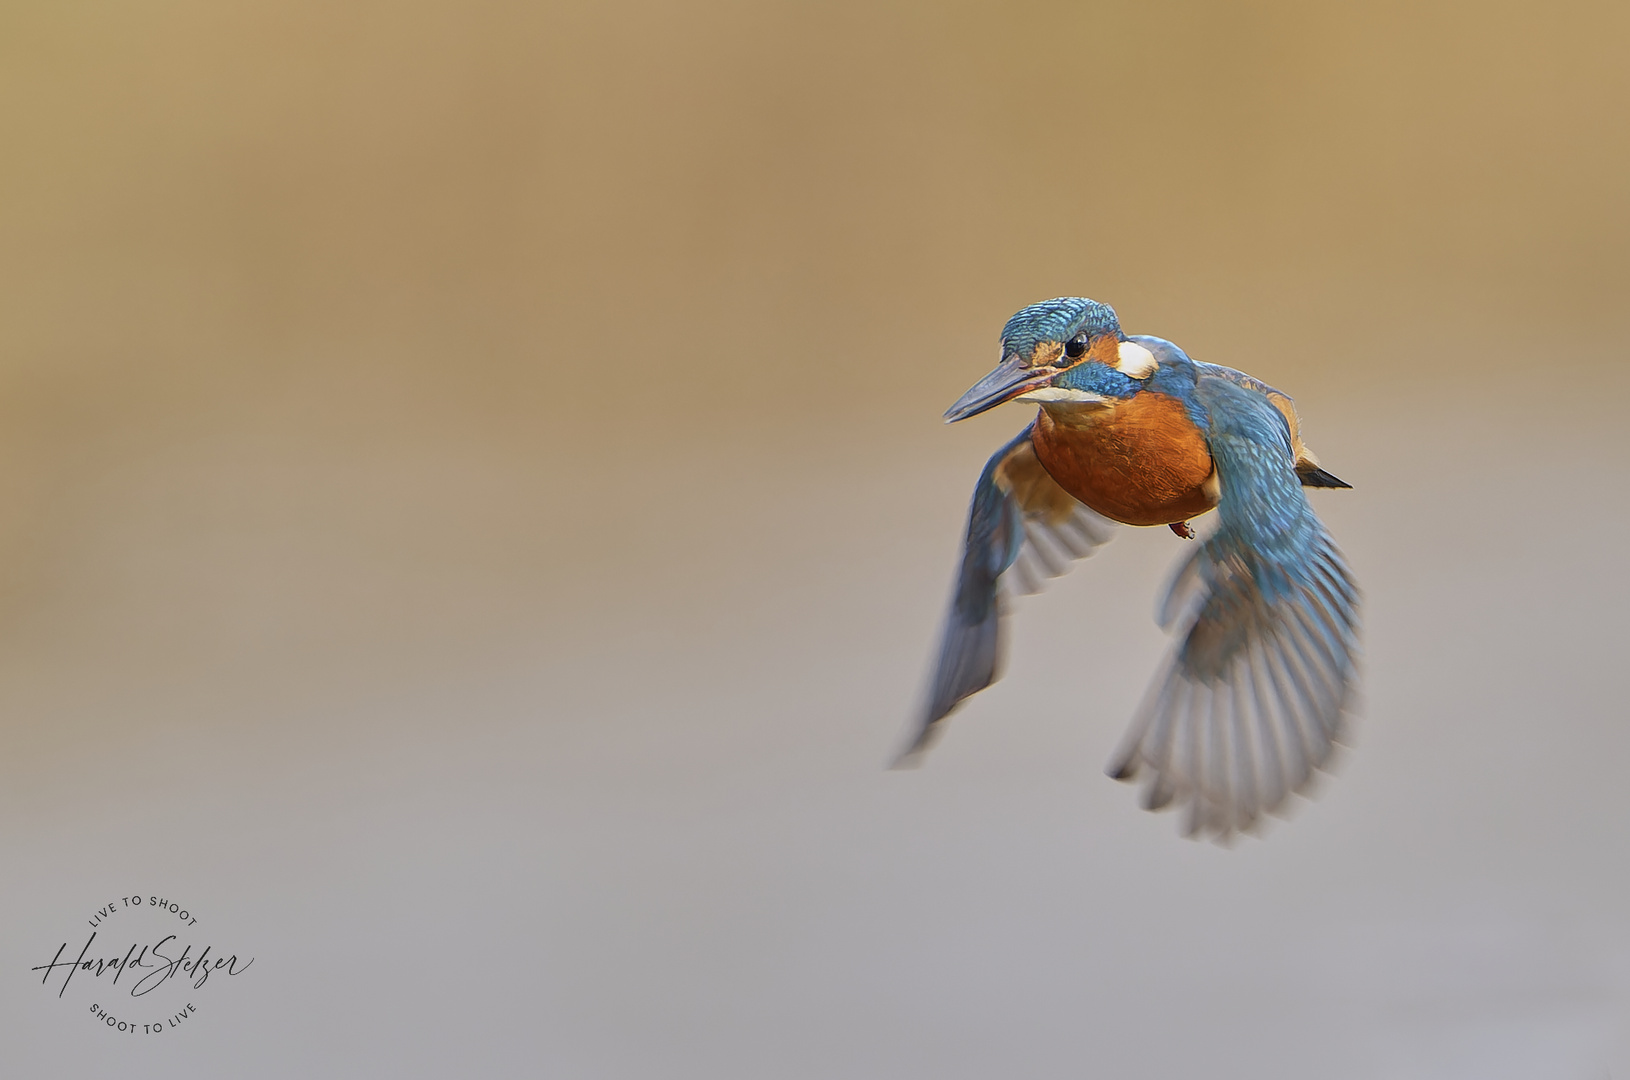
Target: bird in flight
<point x="1252" y="698"/>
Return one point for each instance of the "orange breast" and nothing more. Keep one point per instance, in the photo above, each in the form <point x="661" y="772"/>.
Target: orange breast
<point x="1141" y="462"/>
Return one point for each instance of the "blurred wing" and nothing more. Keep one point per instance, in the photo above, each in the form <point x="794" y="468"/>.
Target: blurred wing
<point x="1022" y="529"/>
<point x="1253" y="696"/>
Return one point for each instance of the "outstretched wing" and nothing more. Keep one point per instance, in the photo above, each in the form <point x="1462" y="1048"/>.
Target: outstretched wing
<point x="1253" y="696"/>
<point x="1022" y="529"/>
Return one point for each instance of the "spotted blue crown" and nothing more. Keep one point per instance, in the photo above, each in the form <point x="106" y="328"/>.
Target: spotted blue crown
<point x="1057" y="320"/>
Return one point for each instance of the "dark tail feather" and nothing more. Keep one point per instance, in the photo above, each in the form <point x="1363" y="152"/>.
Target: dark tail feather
<point x="1313" y="476"/>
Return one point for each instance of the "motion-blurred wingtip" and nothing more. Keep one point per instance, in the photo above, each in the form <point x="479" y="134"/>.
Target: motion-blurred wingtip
<point x="909" y="758"/>
<point x="1157" y="799"/>
<point x="912" y="756"/>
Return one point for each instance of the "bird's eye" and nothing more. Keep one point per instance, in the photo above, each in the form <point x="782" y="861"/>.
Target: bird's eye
<point x="1075" y="348"/>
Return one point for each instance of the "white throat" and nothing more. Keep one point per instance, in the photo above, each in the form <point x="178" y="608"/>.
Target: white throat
<point x="1043" y="395"/>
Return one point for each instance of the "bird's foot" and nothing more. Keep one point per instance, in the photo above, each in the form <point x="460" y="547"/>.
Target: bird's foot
<point x="1183" y="529"/>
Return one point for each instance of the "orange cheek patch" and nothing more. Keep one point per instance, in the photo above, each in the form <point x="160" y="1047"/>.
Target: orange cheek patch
<point x="1046" y="353"/>
<point x="1106" y="350"/>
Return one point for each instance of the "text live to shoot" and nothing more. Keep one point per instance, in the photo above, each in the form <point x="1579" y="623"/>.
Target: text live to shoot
<point x="153" y="958"/>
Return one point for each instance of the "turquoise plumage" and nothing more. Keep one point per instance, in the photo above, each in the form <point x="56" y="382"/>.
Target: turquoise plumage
<point x="1253" y="697"/>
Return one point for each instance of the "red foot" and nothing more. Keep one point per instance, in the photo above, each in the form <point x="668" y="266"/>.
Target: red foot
<point x="1183" y="529"/>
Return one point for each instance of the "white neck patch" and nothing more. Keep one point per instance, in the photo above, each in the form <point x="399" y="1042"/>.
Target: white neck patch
<point x="1136" y="362"/>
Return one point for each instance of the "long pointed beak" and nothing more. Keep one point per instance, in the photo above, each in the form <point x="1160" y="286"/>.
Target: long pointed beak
<point x="1010" y="379"/>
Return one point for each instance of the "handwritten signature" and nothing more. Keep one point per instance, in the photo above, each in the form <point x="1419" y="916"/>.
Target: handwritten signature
<point x="159" y="966"/>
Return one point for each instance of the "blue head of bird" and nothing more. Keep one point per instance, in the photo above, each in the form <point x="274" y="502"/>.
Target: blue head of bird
<point x="1068" y="350"/>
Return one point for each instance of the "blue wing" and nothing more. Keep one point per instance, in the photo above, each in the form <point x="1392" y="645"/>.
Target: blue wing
<point x="1254" y="694"/>
<point x="1022" y="528"/>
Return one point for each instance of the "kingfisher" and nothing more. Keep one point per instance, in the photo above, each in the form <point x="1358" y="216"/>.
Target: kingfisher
<point x="1252" y="698"/>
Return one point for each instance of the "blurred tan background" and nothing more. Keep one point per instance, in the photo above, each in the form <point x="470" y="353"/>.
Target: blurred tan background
<point x="474" y="515"/>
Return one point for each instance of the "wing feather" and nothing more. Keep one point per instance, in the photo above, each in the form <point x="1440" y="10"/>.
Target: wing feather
<point x="1257" y="688"/>
<point x="1022" y="529"/>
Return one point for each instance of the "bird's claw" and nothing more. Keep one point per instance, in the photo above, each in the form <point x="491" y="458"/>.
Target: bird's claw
<point x="1183" y="529"/>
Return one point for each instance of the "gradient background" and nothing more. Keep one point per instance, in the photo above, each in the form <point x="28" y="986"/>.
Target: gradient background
<point x="474" y="517"/>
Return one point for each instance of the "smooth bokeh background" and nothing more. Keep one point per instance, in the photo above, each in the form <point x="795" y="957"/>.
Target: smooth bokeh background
<point x="474" y="517"/>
